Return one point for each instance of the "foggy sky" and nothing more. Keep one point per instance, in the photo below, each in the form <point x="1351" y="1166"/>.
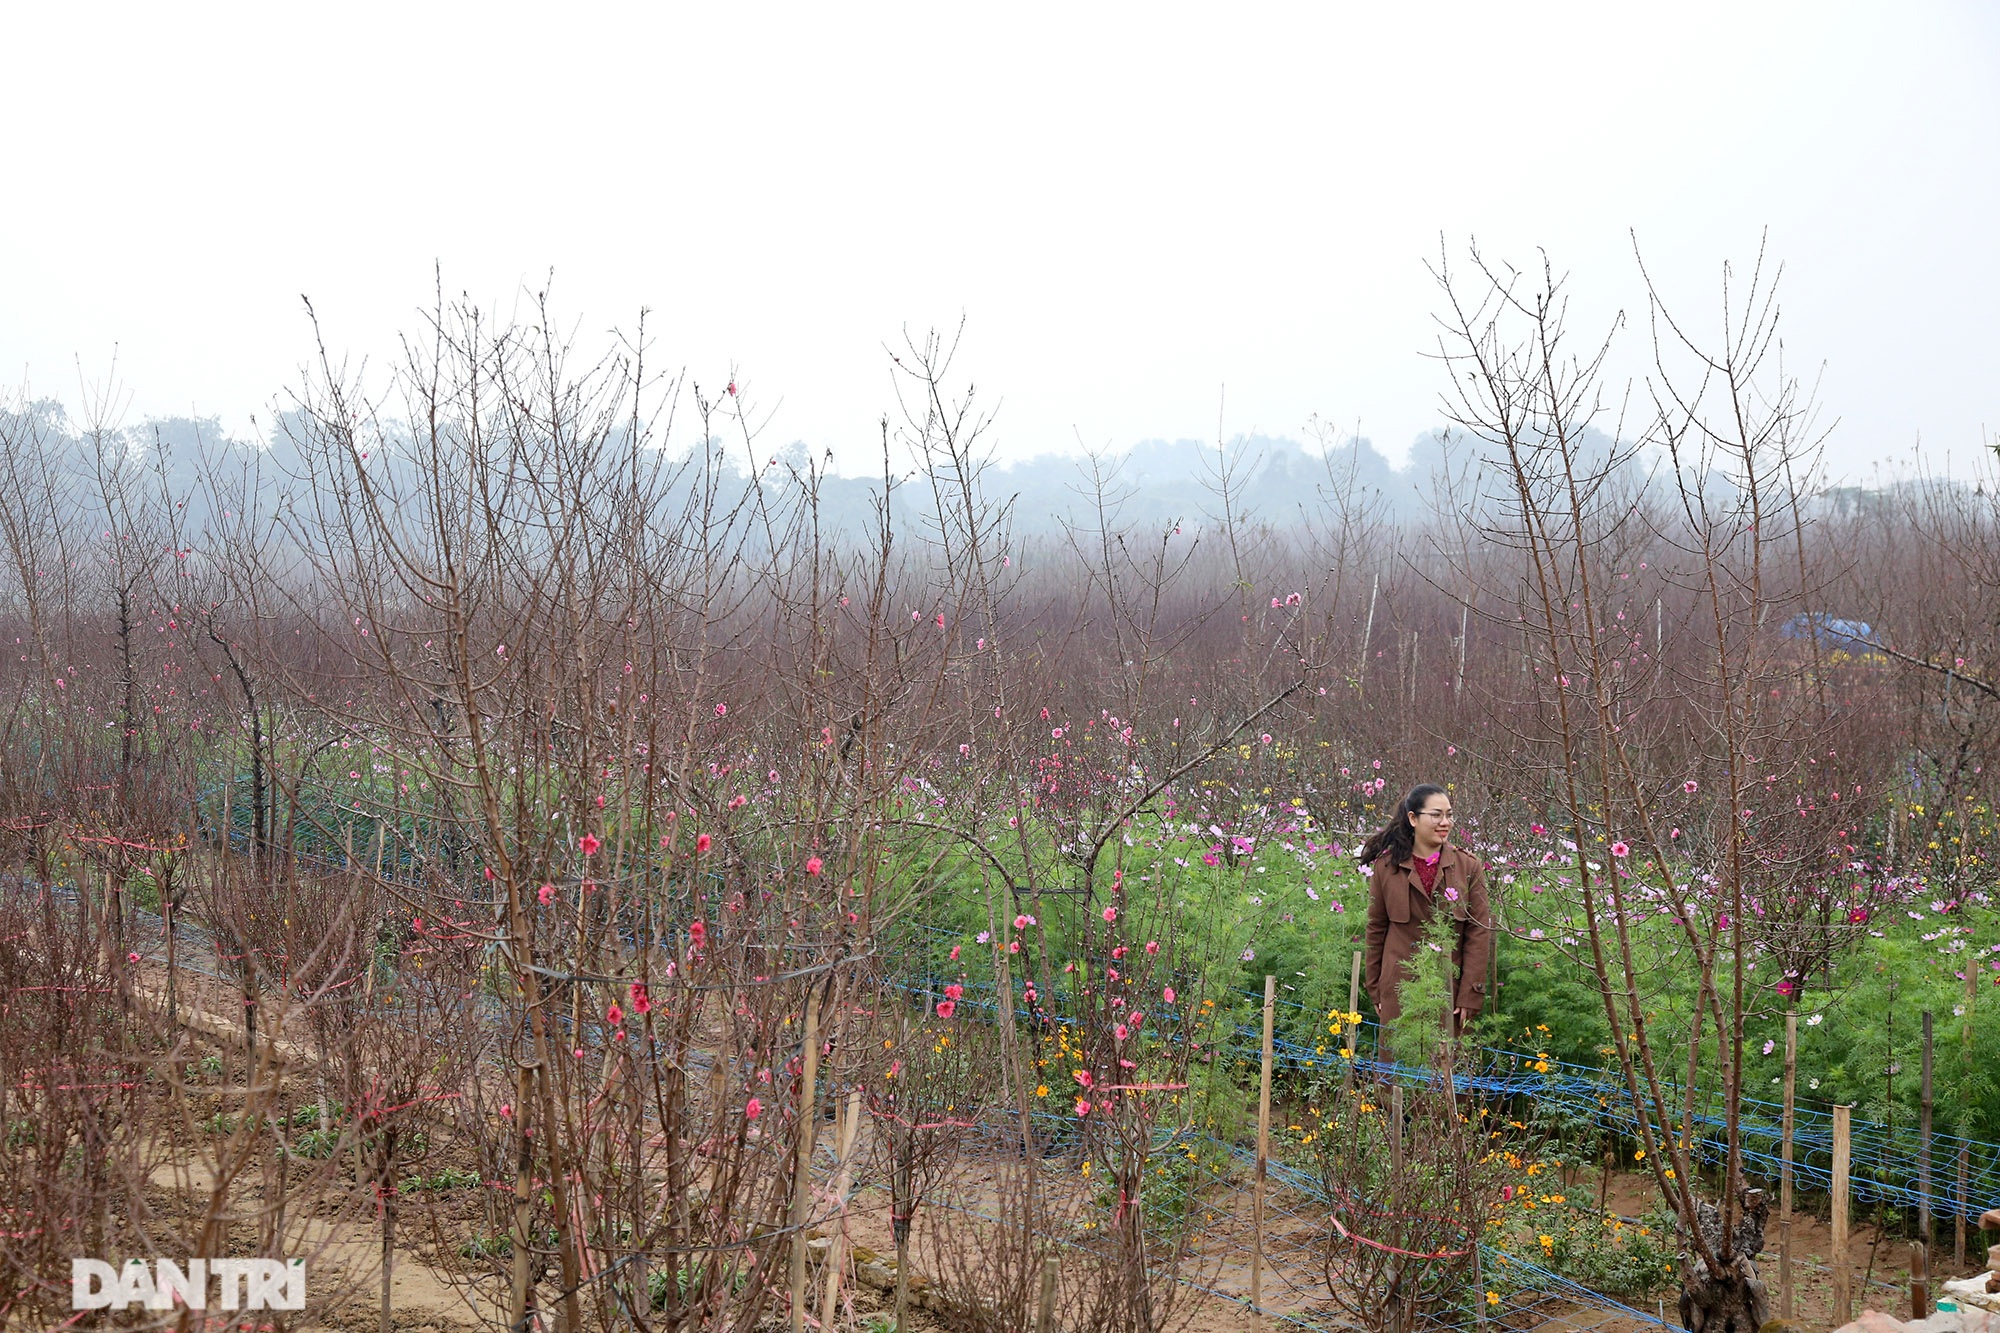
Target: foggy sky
<point x="1156" y="222"/>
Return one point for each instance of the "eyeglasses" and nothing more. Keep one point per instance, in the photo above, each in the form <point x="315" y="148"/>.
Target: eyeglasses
<point x="1433" y="814"/>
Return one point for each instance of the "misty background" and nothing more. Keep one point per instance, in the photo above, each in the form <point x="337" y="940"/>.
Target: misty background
<point x="1154" y="226"/>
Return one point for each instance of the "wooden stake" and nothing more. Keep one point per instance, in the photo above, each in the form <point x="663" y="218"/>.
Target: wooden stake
<point x="1959" y="1202"/>
<point x="1263" y="1147"/>
<point x="1478" y="1291"/>
<point x="1920" y="1251"/>
<point x="1045" y="1316"/>
<point x="517" y="1305"/>
<point x="1785" y="1305"/>
<point x="836" y="1254"/>
<point x="1464" y="623"/>
<point x="1367" y="634"/>
<point x="368" y="975"/>
<point x="802" y="1169"/>
<point x="1843" y="1301"/>
<point x="1396" y="1136"/>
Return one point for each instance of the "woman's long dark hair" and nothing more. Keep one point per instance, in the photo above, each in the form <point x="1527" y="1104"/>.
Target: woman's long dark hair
<point x="1397" y="837"/>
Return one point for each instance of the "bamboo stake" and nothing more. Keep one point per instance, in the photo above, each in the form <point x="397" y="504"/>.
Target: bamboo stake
<point x="1263" y="1146"/>
<point x="802" y="1170"/>
<point x="1045" y="1316"/>
<point x="1785" y="1305"/>
<point x="1353" y="1020"/>
<point x="836" y="1254"/>
<point x="1920" y="1250"/>
<point x="1843" y="1302"/>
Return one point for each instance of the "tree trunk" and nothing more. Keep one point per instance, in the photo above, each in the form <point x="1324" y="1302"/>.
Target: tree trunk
<point x="1731" y="1302"/>
<point x="1729" y="1298"/>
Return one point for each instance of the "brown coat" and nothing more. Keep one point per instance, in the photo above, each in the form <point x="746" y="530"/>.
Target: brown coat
<point x="1398" y="911"/>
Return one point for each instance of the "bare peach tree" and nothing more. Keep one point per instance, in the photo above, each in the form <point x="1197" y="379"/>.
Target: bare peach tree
<point x="1695" y="782"/>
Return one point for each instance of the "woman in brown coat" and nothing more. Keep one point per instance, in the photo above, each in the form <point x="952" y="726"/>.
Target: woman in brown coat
<point x="1412" y="869"/>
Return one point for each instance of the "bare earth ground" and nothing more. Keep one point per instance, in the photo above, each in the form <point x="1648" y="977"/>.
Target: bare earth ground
<point x="429" y="1297"/>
